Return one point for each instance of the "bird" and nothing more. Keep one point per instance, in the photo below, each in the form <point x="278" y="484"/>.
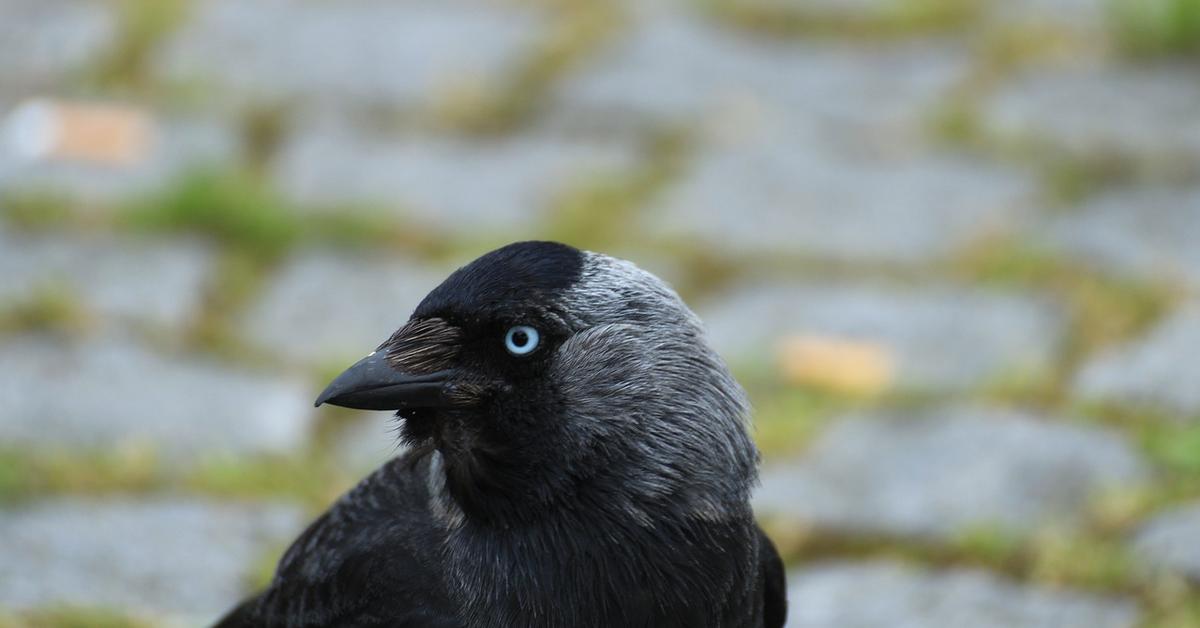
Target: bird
<point x="577" y="455"/>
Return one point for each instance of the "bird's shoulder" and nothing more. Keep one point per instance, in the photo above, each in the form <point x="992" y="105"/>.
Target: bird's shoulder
<point x="371" y="559"/>
<point x="773" y="583"/>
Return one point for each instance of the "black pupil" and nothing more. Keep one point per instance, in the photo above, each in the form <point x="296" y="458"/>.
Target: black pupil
<point x="520" y="338"/>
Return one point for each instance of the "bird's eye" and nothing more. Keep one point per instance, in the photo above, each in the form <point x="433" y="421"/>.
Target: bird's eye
<point x="521" y="340"/>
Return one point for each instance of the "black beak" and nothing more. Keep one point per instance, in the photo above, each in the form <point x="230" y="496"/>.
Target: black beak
<point x="372" y="384"/>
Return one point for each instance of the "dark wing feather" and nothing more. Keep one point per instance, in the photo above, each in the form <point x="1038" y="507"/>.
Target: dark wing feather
<point x="368" y="561"/>
<point x="242" y="615"/>
<point x="774" y="583"/>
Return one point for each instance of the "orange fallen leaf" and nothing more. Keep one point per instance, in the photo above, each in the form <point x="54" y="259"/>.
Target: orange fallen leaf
<point x="837" y="364"/>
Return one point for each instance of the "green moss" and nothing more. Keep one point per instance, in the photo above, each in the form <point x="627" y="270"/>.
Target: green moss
<point x="25" y="474"/>
<point x="1175" y="446"/>
<point x="957" y="123"/>
<point x="1079" y="558"/>
<point x="237" y="279"/>
<point x="1102" y="310"/>
<point x="1067" y="180"/>
<point x="37" y="210"/>
<point x="254" y="222"/>
<point x="1173" y="605"/>
<point x="310" y="478"/>
<point x="1030" y="387"/>
<point x="579" y="28"/>
<point x="72" y="617"/>
<point x="898" y="18"/>
<point x="144" y="25"/>
<point x="1148" y="28"/>
<point x="989" y="545"/>
<point x="786" y="419"/>
<point x="263" y="569"/>
<point x="237" y="209"/>
<point x="1172" y="442"/>
<point x="263" y="130"/>
<point x="52" y="308"/>
<point x="602" y="212"/>
<point x="1063" y="557"/>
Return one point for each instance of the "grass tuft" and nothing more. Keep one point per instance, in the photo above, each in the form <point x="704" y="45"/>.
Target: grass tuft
<point x="787" y="419"/>
<point x="1102" y="310"/>
<point x="236" y="209"/>
<point x="1156" y="28"/>
<point x="72" y="617"/>
<point x="896" y="19"/>
<point x="26" y="475"/>
<point x="53" y="308"/>
<point x="310" y="478"/>
<point x="37" y="210"/>
<point x="602" y="212"/>
<point x="144" y="25"/>
<point x="579" y="28"/>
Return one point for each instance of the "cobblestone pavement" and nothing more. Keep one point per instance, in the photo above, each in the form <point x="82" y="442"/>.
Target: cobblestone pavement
<point x="949" y="246"/>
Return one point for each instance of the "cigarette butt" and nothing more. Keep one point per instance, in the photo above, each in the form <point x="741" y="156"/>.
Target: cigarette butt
<point x="45" y="130"/>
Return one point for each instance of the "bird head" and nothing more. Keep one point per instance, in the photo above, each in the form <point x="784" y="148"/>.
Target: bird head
<point x="542" y="374"/>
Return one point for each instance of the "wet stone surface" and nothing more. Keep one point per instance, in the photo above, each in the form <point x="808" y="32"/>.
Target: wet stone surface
<point x="677" y="67"/>
<point x="937" y="338"/>
<point x="1170" y="541"/>
<point x="159" y="282"/>
<point x="98" y="394"/>
<point x="175" y="148"/>
<point x="1147" y="233"/>
<point x="503" y="185"/>
<point x="940" y="473"/>
<point x="784" y="197"/>
<point x="324" y="307"/>
<point x="367" y="442"/>
<point x="1086" y="111"/>
<point x="1081" y="17"/>
<point x="349" y="53"/>
<point x="873" y="595"/>
<point x="882" y="148"/>
<point x="43" y="43"/>
<point x="183" y="559"/>
<point x="1159" y="370"/>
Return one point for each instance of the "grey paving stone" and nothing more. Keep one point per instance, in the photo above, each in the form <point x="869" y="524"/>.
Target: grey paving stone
<point x="369" y="441"/>
<point x="786" y="197"/>
<point x="501" y="185"/>
<point x="42" y="42"/>
<point x="1160" y="370"/>
<point x="888" y="595"/>
<point x="1139" y="233"/>
<point x="326" y="307"/>
<point x="362" y="52"/>
<point x="674" y="67"/>
<point x="677" y="66"/>
<point x="103" y="393"/>
<point x="176" y="147"/>
<point x="938" y="337"/>
<point x="1077" y="15"/>
<point x="866" y="8"/>
<point x="1150" y="112"/>
<point x="176" y="558"/>
<point x="802" y="143"/>
<point x="1170" y="541"/>
<point x="939" y="473"/>
<point x="159" y="282"/>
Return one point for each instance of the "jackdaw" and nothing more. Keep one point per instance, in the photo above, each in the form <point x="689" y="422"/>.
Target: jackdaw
<point x="578" y="456"/>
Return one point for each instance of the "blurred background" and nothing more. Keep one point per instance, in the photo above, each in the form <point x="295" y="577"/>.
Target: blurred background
<point x="949" y="246"/>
